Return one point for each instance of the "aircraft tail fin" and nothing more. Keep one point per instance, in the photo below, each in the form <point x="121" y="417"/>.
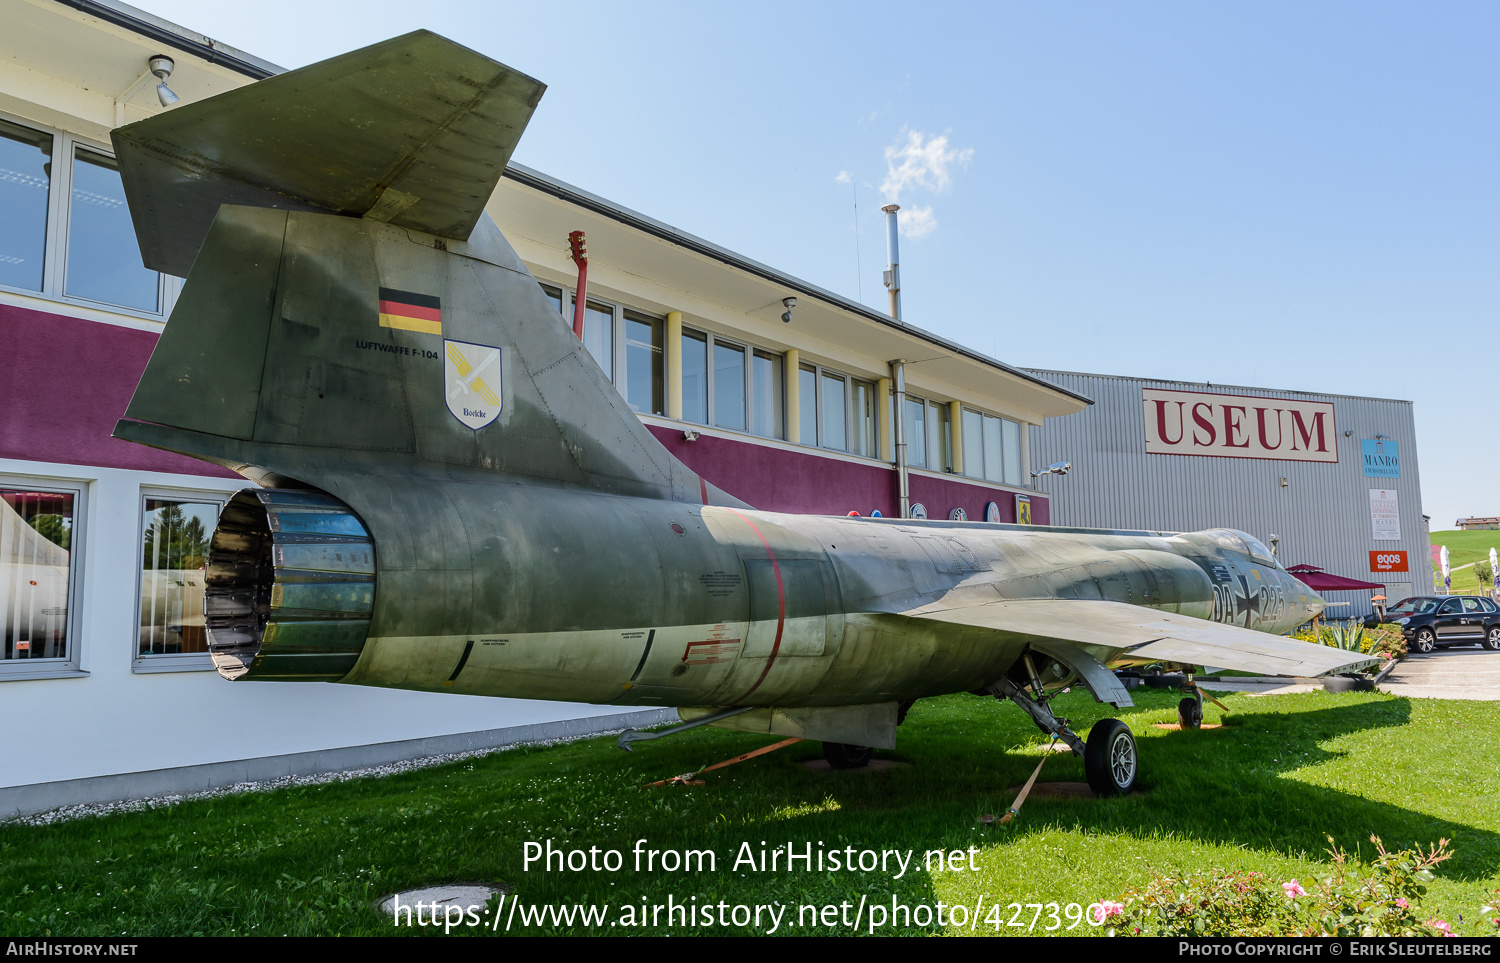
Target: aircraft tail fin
<point x="310" y="346"/>
<point x="414" y="131"/>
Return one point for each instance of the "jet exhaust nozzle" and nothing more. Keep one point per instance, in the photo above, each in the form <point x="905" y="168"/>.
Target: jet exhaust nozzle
<point x="290" y="587"/>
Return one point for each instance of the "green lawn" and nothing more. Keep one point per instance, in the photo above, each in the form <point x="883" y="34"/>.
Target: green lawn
<point x="1259" y="794"/>
<point x="1465" y="548"/>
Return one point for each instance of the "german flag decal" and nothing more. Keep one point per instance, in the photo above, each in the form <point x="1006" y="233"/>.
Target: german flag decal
<point x="411" y="312"/>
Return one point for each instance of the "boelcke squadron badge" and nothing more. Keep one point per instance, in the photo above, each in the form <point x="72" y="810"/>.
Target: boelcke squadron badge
<point x="472" y="382"/>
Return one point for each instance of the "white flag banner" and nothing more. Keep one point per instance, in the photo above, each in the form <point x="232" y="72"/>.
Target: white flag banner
<point x="1385" y="516"/>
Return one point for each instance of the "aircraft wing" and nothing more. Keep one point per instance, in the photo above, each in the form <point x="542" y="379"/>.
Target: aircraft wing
<point x="414" y="131"/>
<point x="1117" y="632"/>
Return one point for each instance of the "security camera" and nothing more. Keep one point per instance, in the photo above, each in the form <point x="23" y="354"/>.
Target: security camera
<point x="788" y="303"/>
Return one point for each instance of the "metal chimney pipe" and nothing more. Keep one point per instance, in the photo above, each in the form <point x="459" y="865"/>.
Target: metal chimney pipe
<point x="893" y="255"/>
<point x="903" y="475"/>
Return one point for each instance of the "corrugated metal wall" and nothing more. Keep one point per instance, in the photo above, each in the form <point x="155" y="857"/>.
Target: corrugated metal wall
<point x="1322" y="515"/>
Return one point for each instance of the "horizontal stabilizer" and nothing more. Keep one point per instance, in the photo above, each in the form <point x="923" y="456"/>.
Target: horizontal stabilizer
<point x="1117" y="632"/>
<point x="414" y="131"/>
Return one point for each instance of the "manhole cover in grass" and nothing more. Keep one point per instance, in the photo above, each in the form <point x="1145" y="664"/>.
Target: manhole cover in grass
<point x="438" y="898"/>
<point x="874" y="765"/>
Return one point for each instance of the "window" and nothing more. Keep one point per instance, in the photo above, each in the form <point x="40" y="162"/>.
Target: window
<point x="914" y="429"/>
<point x="38" y="579"/>
<point x="742" y="390"/>
<point x="694" y="348"/>
<point x="992" y="448"/>
<point x="729" y="385"/>
<point x="807" y="403"/>
<point x="104" y="262"/>
<point x="643" y="363"/>
<point x="175" y="534"/>
<point x="75" y="242"/>
<point x="769" y="395"/>
<point x="865" y="433"/>
<point x="835" y="412"/>
<point x="25" y="189"/>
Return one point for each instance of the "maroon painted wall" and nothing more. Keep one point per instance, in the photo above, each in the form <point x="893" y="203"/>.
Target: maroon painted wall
<point x="777" y="480"/>
<point x="64" y="382"/>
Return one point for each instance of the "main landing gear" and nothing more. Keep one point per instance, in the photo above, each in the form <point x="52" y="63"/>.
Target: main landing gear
<point x="1109" y="757"/>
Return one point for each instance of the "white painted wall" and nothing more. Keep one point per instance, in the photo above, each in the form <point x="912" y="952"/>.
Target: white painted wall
<point x="114" y="720"/>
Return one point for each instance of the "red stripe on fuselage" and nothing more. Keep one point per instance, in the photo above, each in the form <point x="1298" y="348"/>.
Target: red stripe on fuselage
<point x="780" y="608"/>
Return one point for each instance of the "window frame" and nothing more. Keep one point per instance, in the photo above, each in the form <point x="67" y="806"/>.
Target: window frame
<point x="173" y="661"/>
<point x="71" y="665"/>
<point x="1005" y="466"/>
<point x="710" y="340"/>
<point x="59" y="225"/>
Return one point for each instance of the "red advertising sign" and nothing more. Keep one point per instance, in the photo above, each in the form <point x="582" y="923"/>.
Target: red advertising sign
<point x="1238" y="426"/>
<point x="1388" y="561"/>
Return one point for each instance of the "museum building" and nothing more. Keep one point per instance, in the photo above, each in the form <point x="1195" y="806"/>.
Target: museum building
<point x="102" y="542"/>
<point x="1330" y="481"/>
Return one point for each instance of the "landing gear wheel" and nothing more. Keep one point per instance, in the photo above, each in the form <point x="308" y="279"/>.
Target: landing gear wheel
<point x="1492" y="641"/>
<point x="1190" y="714"/>
<point x="1425" y="641"/>
<point x="1109" y="758"/>
<point x="844" y="756"/>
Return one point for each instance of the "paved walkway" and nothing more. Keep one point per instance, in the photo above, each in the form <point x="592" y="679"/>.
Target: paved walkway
<point x="1458" y="673"/>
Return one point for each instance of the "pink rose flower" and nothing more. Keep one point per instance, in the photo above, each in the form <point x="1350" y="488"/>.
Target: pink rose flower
<point x="1401" y="902"/>
<point x="1293" y="889"/>
<point x="1106" y="909"/>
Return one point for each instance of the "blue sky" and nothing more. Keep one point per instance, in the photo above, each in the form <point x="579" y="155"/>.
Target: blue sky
<point x="1285" y="195"/>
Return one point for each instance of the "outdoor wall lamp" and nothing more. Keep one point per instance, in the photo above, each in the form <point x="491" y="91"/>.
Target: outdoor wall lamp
<point x="690" y="435"/>
<point x="161" y="66"/>
<point x="788" y="303"/>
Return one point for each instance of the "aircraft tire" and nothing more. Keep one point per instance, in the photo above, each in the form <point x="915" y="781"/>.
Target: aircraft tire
<point x="1110" y="760"/>
<point x="1189" y="714"/>
<point x="844" y="756"/>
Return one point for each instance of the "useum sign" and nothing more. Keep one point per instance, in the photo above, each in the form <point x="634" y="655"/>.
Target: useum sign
<point x="1238" y="426"/>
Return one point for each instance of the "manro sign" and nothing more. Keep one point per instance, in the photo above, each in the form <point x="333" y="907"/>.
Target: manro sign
<point x="1238" y="426"/>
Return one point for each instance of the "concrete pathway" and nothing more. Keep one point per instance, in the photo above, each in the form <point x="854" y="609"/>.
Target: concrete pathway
<point x="1457" y="673"/>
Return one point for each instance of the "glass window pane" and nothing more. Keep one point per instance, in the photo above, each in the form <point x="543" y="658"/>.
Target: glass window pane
<point x="643" y="365"/>
<point x="694" y="377"/>
<point x="104" y="261"/>
<point x="25" y="183"/>
<point x="944" y="440"/>
<point x="992" y="468"/>
<point x="973" y="444"/>
<point x="807" y="400"/>
<point x="36" y="540"/>
<point x="864" y="419"/>
<point x="766" y="393"/>
<point x="729" y="385"/>
<point x="173" y="556"/>
<point x="599" y="334"/>
<point x="1012" y="441"/>
<point x="554" y="295"/>
<point x="916" y="434"/>
<point x="835" y="411"/>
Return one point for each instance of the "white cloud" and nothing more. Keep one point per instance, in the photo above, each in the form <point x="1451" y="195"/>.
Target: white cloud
<point x="917" y="222"/>
<point x="921" y="163"/>
<point x="844" y="177"/>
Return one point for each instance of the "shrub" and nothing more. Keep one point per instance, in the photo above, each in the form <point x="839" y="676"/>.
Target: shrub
<point x="1381" y="899"/>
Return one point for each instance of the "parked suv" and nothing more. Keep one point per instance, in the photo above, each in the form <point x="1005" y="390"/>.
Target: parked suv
<point x="1444" y="620"/>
